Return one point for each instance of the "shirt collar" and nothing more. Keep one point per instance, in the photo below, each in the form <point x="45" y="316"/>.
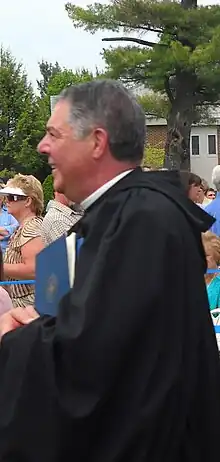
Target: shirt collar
<point x="99" y="192"/>
<point x="61" y="207"/>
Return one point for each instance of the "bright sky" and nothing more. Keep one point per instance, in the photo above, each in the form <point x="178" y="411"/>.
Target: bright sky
<point x="42" y="29"/>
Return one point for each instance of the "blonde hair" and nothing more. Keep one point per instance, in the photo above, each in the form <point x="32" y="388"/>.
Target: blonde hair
<point x="210" y="240"/>
<point x="31" y="186"/>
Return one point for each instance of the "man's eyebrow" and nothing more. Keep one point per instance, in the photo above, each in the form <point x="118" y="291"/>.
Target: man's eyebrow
<point x="51" y="129"/>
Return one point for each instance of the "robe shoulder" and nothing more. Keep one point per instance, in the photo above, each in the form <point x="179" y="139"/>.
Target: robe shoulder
<point x="115" y="371"/>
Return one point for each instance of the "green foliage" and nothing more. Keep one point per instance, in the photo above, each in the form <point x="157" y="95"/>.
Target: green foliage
<point x="29" y="130"/>
<point x="188" y="38"/>
<point x="153" y="157"/>
<point x="22" y="119"/>
<point x="48" y="189"/>
<point x="181" y="63"/>
<point x="66" y="77"/>
<point x="155" y="105"/>
<point x="47" y="70"/>
<point x="7" y="173"/>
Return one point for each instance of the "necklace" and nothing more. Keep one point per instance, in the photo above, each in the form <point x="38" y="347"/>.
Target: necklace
<point x="209" y="280"/>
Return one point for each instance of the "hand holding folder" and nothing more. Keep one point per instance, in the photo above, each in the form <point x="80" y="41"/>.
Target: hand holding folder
<point x="55" y="273"/>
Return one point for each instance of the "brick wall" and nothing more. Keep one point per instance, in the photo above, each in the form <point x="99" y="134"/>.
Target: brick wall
<point x="156" y="135"/>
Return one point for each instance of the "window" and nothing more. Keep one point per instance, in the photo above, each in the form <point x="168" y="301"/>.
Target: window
<point x="195" y="145"/>
<point x="211" y="144"/>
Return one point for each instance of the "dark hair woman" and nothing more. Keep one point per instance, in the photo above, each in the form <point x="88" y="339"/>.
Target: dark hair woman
<point x="192" y="184"/>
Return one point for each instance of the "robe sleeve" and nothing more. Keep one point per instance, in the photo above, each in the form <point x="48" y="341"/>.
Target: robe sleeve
<point x="56" y="374"/>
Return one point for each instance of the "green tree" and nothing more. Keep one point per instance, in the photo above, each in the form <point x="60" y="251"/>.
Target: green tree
<point x="29" y="131"/>
<point x="48" y="189"/>
<point x="22" y="119"/>
<point x="15" y="91"/>
<point x="48" y="71"/>
<point x="6" y="174"/>
<point x="67" y="77"/>
<point x="154" y="104"/>
<point x="182" y="63"/>
<point x="64" y="78"/>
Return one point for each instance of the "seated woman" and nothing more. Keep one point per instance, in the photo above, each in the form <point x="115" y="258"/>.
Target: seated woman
<point x="24" y="198"/>
<point x="211" y="244"/>
<point x="5" y="301"/>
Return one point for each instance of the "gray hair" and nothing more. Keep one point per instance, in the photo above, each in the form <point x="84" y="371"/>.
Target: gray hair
<point x="216" y="177"/>
<point x="108" y="105"/>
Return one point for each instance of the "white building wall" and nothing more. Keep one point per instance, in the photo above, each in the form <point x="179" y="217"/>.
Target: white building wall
<point x="204" y="163"/>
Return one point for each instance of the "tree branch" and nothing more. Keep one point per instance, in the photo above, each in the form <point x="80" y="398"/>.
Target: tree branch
<point x="130" y="39"/>
<point x="129" y="25"/>
<point x="145" y="28"/>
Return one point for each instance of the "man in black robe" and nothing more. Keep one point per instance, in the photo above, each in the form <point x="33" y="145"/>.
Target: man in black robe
<point x="129" y="370"/>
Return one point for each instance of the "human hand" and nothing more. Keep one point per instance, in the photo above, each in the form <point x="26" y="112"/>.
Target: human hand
<point x="15" y="318"/>
<point x="3" y="231"/>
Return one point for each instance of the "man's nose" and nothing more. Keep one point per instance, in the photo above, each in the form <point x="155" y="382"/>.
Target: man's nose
<point x="43" y="147"/>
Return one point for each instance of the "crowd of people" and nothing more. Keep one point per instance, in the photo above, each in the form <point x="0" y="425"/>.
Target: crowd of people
<point x="198" y="190"/>
<point x="128" y="369"/>
<point x="25" y="232"/>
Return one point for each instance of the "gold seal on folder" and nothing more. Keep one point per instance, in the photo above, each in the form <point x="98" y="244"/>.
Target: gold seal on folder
<point x="52" y="288"/>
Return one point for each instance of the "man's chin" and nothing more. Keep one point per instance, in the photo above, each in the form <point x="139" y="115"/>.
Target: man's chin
<point x="59" y="188"/>
<point x="58" y="185"/>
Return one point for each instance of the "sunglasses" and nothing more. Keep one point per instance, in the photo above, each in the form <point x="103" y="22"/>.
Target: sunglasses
<point x="15" y="198"/>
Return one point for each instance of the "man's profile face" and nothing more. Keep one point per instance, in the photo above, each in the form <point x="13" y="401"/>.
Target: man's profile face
<point x="68" y="156"/>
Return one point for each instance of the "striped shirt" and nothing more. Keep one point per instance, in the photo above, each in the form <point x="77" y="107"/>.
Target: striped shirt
<point x="22" y="294"/>
<point x="58" y="220"/>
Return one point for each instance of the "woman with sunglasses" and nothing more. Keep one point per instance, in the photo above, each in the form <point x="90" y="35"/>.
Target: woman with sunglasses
<point x="24" y="199"/>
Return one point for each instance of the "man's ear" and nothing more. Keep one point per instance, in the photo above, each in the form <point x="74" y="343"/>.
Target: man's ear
<point x="100" y="138"/>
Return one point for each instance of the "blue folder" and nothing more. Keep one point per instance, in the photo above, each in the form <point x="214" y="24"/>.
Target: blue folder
<point x="52" y="277"/>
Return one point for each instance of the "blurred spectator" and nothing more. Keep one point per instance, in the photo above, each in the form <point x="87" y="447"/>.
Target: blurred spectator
<point x="24" y="195"/>
<point x="210" y="194"/>
<point x="8" y="223"/>
<point x="60" y="217"/>
<point x="206" y="195"/>
<point x="192" y="184"/>
<point x="211" y="244"/>
<point x="213" y="208"/>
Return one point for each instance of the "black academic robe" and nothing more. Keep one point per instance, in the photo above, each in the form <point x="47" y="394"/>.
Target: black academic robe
<point x="129" y="370"/>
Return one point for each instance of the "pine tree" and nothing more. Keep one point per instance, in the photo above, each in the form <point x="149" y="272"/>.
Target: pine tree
<point x="181" y="64"/>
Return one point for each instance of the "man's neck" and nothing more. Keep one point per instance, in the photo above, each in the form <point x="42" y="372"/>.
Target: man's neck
<point x="97" y="193"/>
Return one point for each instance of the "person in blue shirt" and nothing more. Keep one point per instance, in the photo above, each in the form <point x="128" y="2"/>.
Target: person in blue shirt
<point x="8" y="225"/>
<point x="211" y="244"/>
<point x="214" y="207"/>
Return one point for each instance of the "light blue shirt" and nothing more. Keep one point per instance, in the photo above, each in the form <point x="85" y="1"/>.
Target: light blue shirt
<point x="213" y="290"/>
<point x="214" y="209"/>
<point x="8" y="222"/>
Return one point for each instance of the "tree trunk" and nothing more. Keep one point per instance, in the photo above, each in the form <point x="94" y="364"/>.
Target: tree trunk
<point x="182" y="115"/>
<point x="180" y="120"/>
